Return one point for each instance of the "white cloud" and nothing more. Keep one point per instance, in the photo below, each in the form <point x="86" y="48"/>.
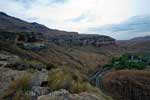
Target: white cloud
<point x="56" y="13"/>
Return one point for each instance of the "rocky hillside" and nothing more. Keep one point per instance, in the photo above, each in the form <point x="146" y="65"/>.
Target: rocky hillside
<point x="11" y="26"/>
<point x="27" y="74"/>
<point x="37" y="63"/>
<point x="138" y="44"/>
<point x="36" y="60"/>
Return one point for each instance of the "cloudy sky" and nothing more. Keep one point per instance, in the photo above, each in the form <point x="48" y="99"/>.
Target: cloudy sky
<point x="75" y="15"/>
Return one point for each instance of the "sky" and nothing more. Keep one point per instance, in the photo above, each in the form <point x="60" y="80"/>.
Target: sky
<point x="75" y="15"/>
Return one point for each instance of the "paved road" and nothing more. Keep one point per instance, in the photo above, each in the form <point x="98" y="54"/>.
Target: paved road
<point x="97" y="77"/>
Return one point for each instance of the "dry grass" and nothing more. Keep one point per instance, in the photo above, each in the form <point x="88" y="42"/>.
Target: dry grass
<point x="78" y="87"/>
<point x="129" y="73"/>
<point x="69" y="80"/>
<point x="125" y="74"/>
<point x="18" y="89"/>
<point x="120" y="84"/>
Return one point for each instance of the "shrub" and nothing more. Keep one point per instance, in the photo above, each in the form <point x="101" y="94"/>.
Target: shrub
<point x="31" y="62"/>
<point x="71" y="81"/>
<point x="21" y="96"/>
<point x="78" y="87"/>
<point x="50" y="66"/>
<point x="19" y="89"/>
<point x="125" y="62"/>
<point x="59" y="79"/>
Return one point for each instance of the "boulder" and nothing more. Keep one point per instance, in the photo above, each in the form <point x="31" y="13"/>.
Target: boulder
<point x="39" y="78"/>
<point x="38" y="91"/>
<point x="65" y="95"/>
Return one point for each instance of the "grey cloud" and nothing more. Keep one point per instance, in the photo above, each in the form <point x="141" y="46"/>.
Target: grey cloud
<point x="83" y="17"/>
<point x="136" y="25"/>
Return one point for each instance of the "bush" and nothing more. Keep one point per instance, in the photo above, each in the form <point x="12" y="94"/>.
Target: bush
<point x="21" y="96"/>
<point x="31" y="62"/>
<point x="50" y="66"/>
<point x="59" y="79"/>
<point x="71" y="81"/>
<point x="78" y="87"/>
<point x="19" y="89"/>
<point x="124" y="62"/>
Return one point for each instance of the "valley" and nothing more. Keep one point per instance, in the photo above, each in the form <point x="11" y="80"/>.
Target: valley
<point x="38" y="63"/>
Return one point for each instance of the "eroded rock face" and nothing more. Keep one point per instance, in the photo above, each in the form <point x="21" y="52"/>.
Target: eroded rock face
<point x="128" y="85"/>
<point x="39" y="84"/>
<point x="65" y="95"/>
<point x="11" y="61"/>
<point x="82" y="40"/>
<point x="6" y="58"/>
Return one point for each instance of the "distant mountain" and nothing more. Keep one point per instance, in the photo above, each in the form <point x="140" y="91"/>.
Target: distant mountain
<point x="12" y="24"/>
<point x="140" y="39"/>
<point x="136" y="26"/>
<point x="140" y="44"/>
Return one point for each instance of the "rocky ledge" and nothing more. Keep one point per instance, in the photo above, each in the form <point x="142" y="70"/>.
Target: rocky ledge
<point x="37" y="41"/>
<point x="65" y="95"/>
<point x="82" y="40"/>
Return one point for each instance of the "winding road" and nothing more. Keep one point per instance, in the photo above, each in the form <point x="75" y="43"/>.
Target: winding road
<point x="97" y="77"/>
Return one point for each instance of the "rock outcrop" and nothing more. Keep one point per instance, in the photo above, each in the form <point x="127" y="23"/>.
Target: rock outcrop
<point x="35" y="41"/>
<point x="12" y="68"/>
<point x="7" y="59"/>
<point x="65" y="95"/>
<point x="39" y="84"/>
<point x="82" y="40"/>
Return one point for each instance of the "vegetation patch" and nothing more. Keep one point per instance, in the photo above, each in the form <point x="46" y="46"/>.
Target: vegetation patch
<point x="33" y="64"/>
<point x="70" y="80"/>
<point x="130" y="61"/>
<point x="19" y="89"/>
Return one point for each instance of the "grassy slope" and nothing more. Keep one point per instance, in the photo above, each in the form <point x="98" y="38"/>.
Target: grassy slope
<point x="128" y="84"/>
<point x="85" y="59"/>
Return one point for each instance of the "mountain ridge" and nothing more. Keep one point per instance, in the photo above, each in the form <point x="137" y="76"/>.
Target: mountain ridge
<point x="13" y="24"/>
<point x="144" y="38"/>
